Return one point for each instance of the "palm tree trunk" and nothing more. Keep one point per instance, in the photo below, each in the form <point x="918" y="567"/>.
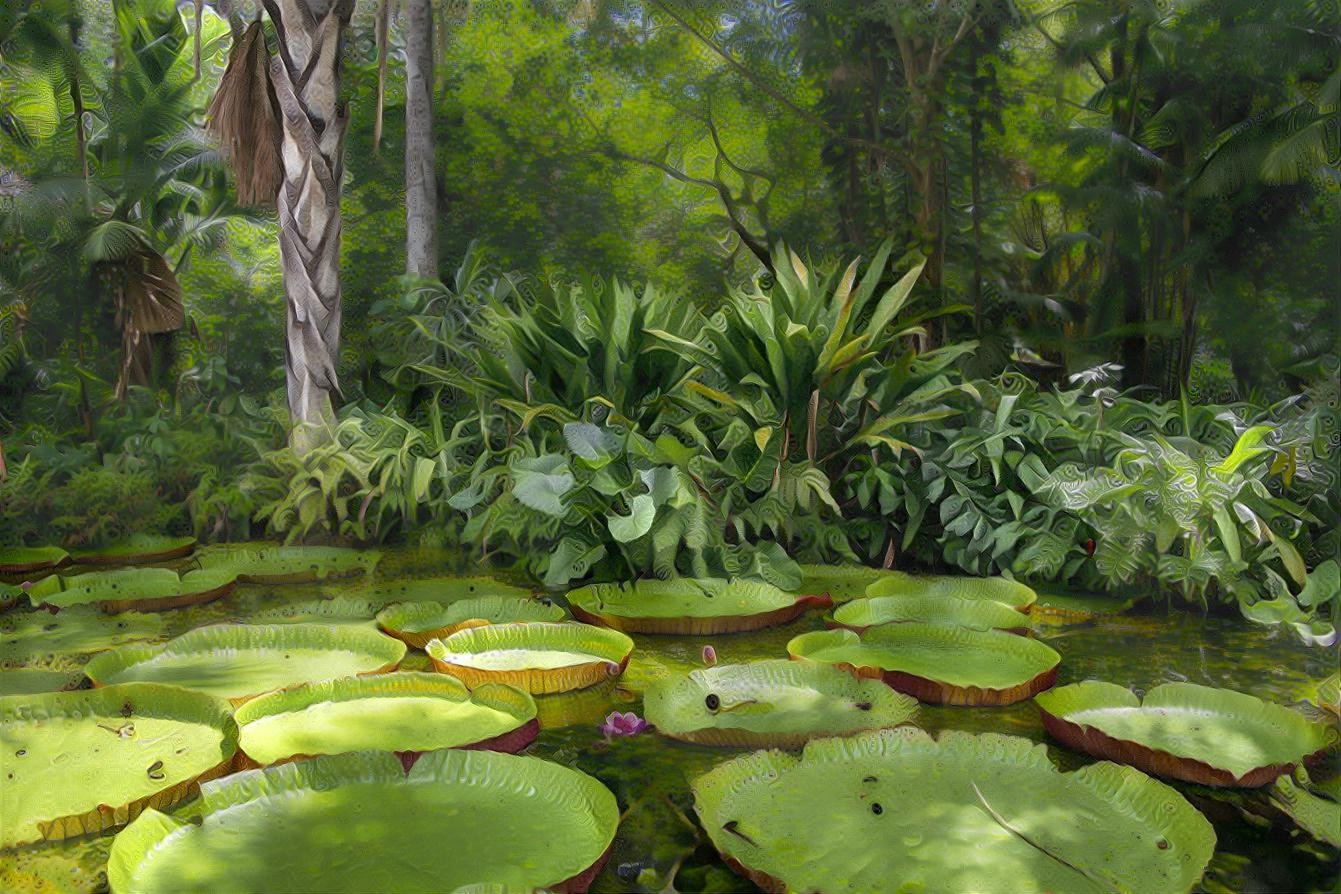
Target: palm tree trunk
<point x="306" y="78"/>
<point x="421" y="233"/>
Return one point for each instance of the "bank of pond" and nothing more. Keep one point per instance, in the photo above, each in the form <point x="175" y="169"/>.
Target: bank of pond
<point x="254" y="717"/>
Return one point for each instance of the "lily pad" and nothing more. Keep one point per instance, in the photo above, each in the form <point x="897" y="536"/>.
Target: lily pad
<point x="938" y="663"/>
<point x="137" y="549"/>
<point x="403" y="712"/>
<point x="270" y="564"/>
<point x="81" y="630"/>
<point x="540" y="658"/>
<point x="31" y="680"/>
<point x="1061" y="609"/>
<point x="1317" y="816"/>
<point x="776" y="703"/>
<point x="996" y="589"/>
<point x="1184" y="731"/>
<point x="976" y="614"/>
<point x="340" y="610"/>
<point x="840" y="582"/>
<point x="133" y="589"/>
<point x="418" y="622"/>
<point x="689" y="606"/>
<point x="28" y="559"/>
<point x="11" y="596"/>
<point x="895" y="810"/>
<point x="359" y="822"/>
<point x="435" y="589"/>
<point x="241" y="661"/>
<point x="85" y="761"/>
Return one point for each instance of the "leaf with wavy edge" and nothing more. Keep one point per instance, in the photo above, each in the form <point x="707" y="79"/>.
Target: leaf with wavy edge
<point x="976" y="614"/>
<point x="899" y="810"/>
<point x="688" y="605"/>
<point x="1184" y="731"/>
<point x="401" y="712"/>
<point x="84" y="761"/>
<point x="456" y="817"/>
<point x="241" y="661"/>
<point x="774" y="703"/>
<point x="418" y="622"/>
<point x="997" y="589"/>
<point x="538" y="657"/>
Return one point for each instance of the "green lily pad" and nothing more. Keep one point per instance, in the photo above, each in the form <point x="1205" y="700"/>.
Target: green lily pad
<point x="688" y="606"/>
<point x="10" y="596"/>
<point x="938" y="663"/>
<point x="137" y="549"/>
<point x="133" y="589"/>
<point x="340" y="610"/>
<point x="996" y="589"/>
<point x="27" y="559"/>
<point x="436" y="589"/>
<point x="539" y="657"/>
<point x="81" y="630"/>
<point x="1060" y="609"/>
<point x="774" y="703"/>
<point x="1184" y="731"/>
<point x="359" y="822"/>
<point x="418" y="622"/>
<point x="976" y="614"/>
<point x="240" y="661"/>
<point x="895" y="810"/>
<point x="403" y="712"/>
<point x="31" y="680"/>
<point x="839" y="582"/>
<point x="271" y="564"/>
<point x="80" y="762"/>
<point x="1317" y="816"/>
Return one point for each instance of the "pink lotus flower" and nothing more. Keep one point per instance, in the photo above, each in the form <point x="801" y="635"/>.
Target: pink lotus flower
<point x="626" y="723"/>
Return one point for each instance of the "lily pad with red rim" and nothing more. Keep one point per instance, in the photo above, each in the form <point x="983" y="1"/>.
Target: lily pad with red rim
<point x="996" y="589"/>
<point x="133" y="589"/>
<point x="401" y="712"/>
<point x="540" y="658"/>
<point x="1185" y="731"/>
<point x="272" y="564"/>
<point x="137" y="549"/>
<point x="81" y="762"/>
<point x="976" y="614"/>
<point x="19" y="560"/>
<point x="938" y="663"/>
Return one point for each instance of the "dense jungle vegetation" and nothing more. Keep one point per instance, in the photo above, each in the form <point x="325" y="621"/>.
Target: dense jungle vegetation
<point x="1038" y="289"/>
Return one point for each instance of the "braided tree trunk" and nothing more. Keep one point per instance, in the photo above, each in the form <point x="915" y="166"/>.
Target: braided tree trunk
<point x="306" y="78"/>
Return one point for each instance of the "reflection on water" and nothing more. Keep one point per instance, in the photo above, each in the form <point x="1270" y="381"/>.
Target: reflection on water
<point x="658" y="838"/>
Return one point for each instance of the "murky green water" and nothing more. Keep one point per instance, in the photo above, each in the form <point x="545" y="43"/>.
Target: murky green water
<point x="660" y="848"/>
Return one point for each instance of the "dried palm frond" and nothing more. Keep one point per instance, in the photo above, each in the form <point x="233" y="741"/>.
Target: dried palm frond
<point x="244" y="118"/>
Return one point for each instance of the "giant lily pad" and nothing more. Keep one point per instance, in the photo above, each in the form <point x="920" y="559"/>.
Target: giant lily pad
<point x="997" y="589"/>
<point x="30" y="680"/>
<point x="11" y="596"/>
<point x="1184" y="731"/>
<point x="80" y="630"/>
<point x="137" y="549"/>
<point x="404" y="712"/>
<point x="938" y="663"/>
<point x="270" y="564"/>
<point x="133" y="589"/>
<point x="240" y="661"/>
<point x="689" y="606"/>
<point x="1328" y="696"/>
<point x="840" y="582"/>
<point x="775" y="703"/>
<point x="540" y="657"/>
<point x="976" y="614"/>
<point x="1061" y="609"/>
<point x="340" y="610"/>
<point x="895" y="810"/>
<point x="80" y="762"/>
<point x="359" y="822"/>
<point x="436" y="589"/>
<point x="419" y="622"/>
<point x="29" y="559"/>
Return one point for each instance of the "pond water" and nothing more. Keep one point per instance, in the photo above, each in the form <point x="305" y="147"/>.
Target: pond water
<point x="659" y="847"/>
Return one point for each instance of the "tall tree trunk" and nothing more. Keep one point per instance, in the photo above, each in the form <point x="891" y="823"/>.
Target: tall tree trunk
<point x="975" y="180"/>
<point x="382" y="35"/>
<point x="421" y="212"/>
<point x="306" y="78"/>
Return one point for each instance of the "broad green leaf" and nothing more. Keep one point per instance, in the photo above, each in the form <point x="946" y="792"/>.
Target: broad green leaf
<point x="642" y="511"/>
